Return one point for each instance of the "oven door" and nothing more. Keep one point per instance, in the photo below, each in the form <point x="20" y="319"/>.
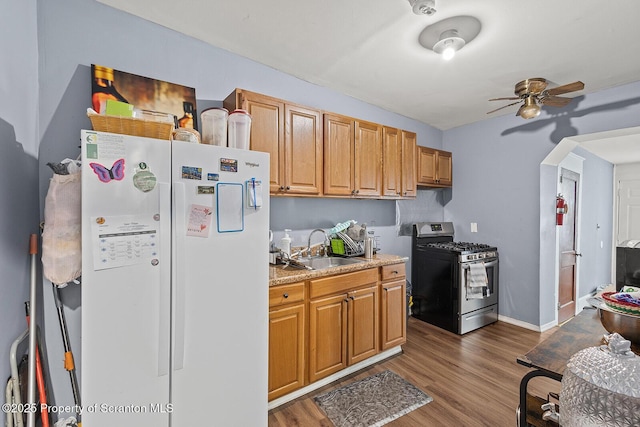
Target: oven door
<point x="475" y="298"/>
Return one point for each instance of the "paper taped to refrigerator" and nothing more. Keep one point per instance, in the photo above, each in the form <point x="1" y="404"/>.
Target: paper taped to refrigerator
<point x="124" y="240"/>
<point x="199" y="221"/>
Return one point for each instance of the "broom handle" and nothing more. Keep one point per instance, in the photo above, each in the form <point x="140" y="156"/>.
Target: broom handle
<point x="31" y="389"/>
<point x="42" y="392"/>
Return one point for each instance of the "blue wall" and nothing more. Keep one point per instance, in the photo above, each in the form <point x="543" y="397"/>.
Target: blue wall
<point x="18" y="166"/>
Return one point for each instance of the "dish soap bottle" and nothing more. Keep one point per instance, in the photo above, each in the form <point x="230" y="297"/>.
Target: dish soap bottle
<point x="285" y="242"/>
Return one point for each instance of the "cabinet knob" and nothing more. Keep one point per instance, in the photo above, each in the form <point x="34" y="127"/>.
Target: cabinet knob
<point x="357" y="191"/>
<point x="288" y="188"/>
<point x="281" y="188"/>
<point x="285" y="295"/>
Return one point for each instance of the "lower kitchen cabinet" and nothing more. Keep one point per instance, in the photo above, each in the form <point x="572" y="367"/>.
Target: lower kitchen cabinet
<point x="327" y="336"/>
<point x="393" y="306"/>
<point x="343" y="321"/>
<point x="362" y="323"/>
<point x="324" y="325"/>
<point x="286" y="339"/>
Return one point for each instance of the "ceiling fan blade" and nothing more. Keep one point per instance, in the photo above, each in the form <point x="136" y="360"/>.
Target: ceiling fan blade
<point x="571" y="87"/>
<point x="555" y="101"/>
<point x="510" y="98"/>
<point x="504" y="106"/>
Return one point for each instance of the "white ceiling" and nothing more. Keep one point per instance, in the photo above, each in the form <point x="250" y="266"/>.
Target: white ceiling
<point x="369" y="49"/>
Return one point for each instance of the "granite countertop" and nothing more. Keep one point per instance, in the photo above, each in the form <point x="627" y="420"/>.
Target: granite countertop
<point x="280" y="276"/>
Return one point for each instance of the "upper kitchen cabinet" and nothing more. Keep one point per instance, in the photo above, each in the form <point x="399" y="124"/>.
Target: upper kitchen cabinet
<point x="291" y="134"/>
<point x="408" y="164"/>
<point x="391" y="162"/>
<point x="434" y="167"/>
<point x="353" y="157"/>
<point x="399" y="163"/>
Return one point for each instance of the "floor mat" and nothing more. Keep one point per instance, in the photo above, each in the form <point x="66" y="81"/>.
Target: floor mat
<point x="373" y="401"/>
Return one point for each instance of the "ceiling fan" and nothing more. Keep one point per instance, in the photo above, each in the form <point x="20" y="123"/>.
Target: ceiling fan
<point x="534" y="93"/>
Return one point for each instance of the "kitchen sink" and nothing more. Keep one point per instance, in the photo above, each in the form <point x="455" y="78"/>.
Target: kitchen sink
<point x="320" y="263"/>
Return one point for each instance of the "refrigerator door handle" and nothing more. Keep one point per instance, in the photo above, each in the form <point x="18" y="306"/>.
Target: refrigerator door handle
<point x="179" y="274"/>
<point x="164" y="298"/>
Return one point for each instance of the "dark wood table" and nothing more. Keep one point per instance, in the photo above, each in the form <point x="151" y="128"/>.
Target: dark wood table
<point x="550" y="357"/>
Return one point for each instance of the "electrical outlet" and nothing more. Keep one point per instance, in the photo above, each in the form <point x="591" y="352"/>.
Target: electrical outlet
<point x="474" y="227"/>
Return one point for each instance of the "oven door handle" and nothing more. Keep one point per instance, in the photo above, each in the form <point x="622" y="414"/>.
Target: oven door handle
<point x="487" y="264"/>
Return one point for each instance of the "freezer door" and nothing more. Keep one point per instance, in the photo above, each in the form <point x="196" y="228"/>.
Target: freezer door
<point x="220" y="293"/>
<point x="125" y="280"/>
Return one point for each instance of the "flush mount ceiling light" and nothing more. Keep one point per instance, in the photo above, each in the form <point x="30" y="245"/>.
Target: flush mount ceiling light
<point x="423" y="7"/>
<point x="448" y="36"/>
<point x="450" y="42"/>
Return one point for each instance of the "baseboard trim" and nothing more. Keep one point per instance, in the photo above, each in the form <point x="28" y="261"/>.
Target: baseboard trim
<point x="526" y="325"/>
<point x="331" y="378"/>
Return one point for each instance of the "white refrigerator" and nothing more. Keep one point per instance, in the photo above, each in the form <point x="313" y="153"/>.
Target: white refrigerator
<point x="174" y="283"/>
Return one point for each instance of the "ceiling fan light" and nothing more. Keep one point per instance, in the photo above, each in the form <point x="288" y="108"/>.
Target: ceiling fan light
<point x="529" y="109"/>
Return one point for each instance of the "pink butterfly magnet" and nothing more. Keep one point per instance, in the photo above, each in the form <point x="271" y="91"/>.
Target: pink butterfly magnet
<point x="105" y="174"/>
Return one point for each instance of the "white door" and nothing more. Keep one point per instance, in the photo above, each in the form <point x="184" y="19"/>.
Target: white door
<point x="125" y="280"/>
<point x="628" y="210"/>
<point x="220" y="288"/>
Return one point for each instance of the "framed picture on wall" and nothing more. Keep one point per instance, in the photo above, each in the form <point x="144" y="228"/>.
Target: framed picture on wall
<point x="143" y="93"/>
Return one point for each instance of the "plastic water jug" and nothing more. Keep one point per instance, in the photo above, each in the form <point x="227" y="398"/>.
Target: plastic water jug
<point x="214" y="126"/>
<point x="239" y="124"/>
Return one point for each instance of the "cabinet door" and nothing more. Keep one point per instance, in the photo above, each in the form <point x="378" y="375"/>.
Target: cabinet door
<point x="426" y="165"/>
<point x="327" y="336"/>
<point x="267" y="129"/>
<point x="338" y="155"/>
<point x="303" y="151"/>
<point x="368" y="159"/>
<point x="363" y="324"/>
<point x="286" y="350"/>
<point x="393" y="312"/>
<point x="444" y="168"/>
<point x="408" y="169"/>
<point x="391" y="162"/>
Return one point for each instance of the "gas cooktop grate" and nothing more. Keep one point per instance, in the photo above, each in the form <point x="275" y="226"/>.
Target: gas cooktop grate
<point x="459" y="246"/>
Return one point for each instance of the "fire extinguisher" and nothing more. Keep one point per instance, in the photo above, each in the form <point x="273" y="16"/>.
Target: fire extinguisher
<point x="561" y="209"/>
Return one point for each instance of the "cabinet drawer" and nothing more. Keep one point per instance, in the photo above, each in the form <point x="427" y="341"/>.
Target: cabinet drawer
<point x="341" y="283"/>
<point x="393" y="271"/>
<point x="285" y="294"/>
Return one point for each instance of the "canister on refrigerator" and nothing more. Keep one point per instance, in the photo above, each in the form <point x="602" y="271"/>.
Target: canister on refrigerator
<point x="214" y="126"/>
<point x="239" y="124"/>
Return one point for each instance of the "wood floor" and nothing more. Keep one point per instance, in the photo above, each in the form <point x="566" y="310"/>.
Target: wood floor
<point x="474" y="379"/>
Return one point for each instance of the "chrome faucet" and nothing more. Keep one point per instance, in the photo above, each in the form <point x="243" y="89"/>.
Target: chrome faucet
<point x="326" y="240"/>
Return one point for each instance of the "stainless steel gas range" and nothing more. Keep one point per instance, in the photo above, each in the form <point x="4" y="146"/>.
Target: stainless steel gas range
<point x="455" y="284"/>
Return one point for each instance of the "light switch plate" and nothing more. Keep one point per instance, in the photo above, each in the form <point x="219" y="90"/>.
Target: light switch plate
<point x="474" y="227"/>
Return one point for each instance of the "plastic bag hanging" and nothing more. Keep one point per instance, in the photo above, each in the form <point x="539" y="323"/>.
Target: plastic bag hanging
<point x="62" y="234"/>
